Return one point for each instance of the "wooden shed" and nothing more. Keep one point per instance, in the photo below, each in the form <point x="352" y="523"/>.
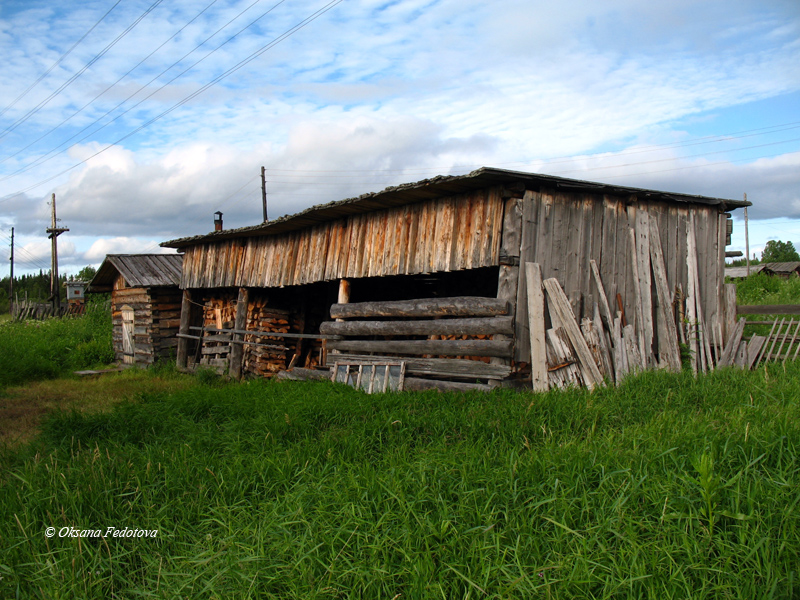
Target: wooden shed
<point x="145" y="304"/>
<point x="432" y="274"/>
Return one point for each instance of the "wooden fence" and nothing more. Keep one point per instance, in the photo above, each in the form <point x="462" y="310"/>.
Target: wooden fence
<point x="38" y="311"/>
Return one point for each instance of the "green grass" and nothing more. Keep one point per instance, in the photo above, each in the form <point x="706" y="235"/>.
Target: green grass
<point x="35" y="350"/>
<point x="767" y="289"/>
<point x="666" y="487"/>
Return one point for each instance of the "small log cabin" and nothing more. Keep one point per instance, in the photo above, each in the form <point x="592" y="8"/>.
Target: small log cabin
<point x="434" y="272"/>
<point x="145" y="304"/>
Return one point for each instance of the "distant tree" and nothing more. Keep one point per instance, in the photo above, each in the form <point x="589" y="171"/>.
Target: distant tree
<point x="778" y="251"/>
<point x="86" y="273"/>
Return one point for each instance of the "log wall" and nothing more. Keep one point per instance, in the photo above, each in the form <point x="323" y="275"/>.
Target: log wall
<point x="157" y="313"/>
<point x="447" y="234"/>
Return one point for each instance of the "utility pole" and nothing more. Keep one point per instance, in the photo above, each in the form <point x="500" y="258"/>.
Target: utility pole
<point x="54" y="232"/>
<point x="264" y="191"/>
<point x="11" y="282"/>
<point x="746" y="238"/>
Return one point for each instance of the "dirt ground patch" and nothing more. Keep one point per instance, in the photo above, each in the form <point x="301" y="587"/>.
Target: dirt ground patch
<point x="23" y="408"/>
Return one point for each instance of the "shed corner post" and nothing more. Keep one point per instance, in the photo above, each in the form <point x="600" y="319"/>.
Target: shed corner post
<point x="237" y="339"/>
<point x="183" y="330"/>
<point x="508" y="276"/>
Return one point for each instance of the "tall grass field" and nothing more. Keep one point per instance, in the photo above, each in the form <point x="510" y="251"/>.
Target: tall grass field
<point x="33" y="350"/>
<point x="667" y="487"/>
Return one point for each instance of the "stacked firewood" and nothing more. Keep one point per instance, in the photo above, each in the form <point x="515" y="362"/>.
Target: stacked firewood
<point x="265" y="355"/>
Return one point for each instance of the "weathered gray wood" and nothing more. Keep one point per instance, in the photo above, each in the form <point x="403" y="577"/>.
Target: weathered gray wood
<point x="769" y="309"/>
<point x="605" y="309"/>
<point x="729" y="310"/>
<point x="507" y="283"/>
<point x="590" y="335"/>
<point x="695" y="348"/>
<point x="741" y="355"/>
<point x="753" y="349"/>
<point x="183" y="341"/>
<point x="645" y="282"/>
<point x="640" y="326"/>
<point x="783" y="340"/>
<point x="416" y="384"/>
<point x="464" y="326"/>
<point x="619" y="354"/>
<point x="442" y="367"/>
<point x="526" y="254"/>
<point x="562" y="368"/>
<point x="559" y="304"/>
<point x="605" y="353"/>
<point x="239" y="323"/>
<point x="538" y="345"/>
<point x="729" y="354"/>
<point x="794" y="337"/>
<point x="633" y="354"/>
<point x="766" y="343"/>
<point x="768" y="355"/>
<point x="668" y="335"/>
<point x="494" y="348"/>
<point x="460" y="306"/>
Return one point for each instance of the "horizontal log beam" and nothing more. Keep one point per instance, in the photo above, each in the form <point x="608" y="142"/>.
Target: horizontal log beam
<point x="460" y="306"/>
<point x="442" y="367"/>
<point x="416" y="384"/>
<point x="769" y="309"/>
<point x="485" y="326"/>
<point x="436" y="347"/>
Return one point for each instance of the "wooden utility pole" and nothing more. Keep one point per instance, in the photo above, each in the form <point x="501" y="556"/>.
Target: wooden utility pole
<point x="746" y="238"/>
<point x="264" y="191"/>
<point x="11" y="281"/>
<point x="53" y="233"/>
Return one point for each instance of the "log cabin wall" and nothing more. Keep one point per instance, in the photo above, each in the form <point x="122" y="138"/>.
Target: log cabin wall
<point x="564" y="231"/>
<point x="445" y="234"/>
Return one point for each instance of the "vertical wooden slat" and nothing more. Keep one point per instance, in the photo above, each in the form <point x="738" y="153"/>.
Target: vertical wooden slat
<point x="536" y="326"/>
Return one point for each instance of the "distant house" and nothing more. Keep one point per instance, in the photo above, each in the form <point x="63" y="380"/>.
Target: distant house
<point x="779" y="269"/>
<point x="386" y="273"/>
<point x="145" y="304"/>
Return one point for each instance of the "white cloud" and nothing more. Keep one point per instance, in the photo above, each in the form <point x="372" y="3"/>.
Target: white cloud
<point x="122" y="245"/>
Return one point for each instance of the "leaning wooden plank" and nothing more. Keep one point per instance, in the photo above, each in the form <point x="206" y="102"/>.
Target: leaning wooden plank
<point x="463" y="326"/>
<point x="459" y="306"/>
<point x="497" y="348"/>
<point x="565" y="360"/>
<point x="555" y="375"/>
<point x="620" y="358"/>
<point x="753" y="348"/>
<point x="645" y="283"/>
<point x="637" y="287"/>
<point x="728" y="310"/>
<point x="766" y="343"/>
<point x="794" y="337"/>
<point x="668" y="337"/>
<point x="692" y="303"/>
<point x="533" y="279"/>
<point x="605" y="309"/>
<point x="416" y="384"/>
<point x="768" y="355"/>
<point x="783" y="339"/>
<point x="558" y="303"/>
<point x="605" y="342"/>
<point x="729" y="354"/>
<point x="632" y="353"/>
<point x="593" y="343"/>
<point x="442" y="367"/>
<point x="741" y="355"/>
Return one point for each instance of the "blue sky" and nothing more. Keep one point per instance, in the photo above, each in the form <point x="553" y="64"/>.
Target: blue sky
<point x="145" y="117"/>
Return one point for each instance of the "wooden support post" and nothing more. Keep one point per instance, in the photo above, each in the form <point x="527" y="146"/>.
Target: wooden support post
<point x="240" y="323"/>
<point x="533" y="278"/>
<point x="344" y="293"/>
<point x="186" y="321"/>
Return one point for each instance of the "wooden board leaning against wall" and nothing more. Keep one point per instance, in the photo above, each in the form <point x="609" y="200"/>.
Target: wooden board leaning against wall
<point x="563" y="234"/>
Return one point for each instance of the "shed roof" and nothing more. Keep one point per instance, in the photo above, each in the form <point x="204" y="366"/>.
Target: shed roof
<point x="783" y="267"/>
<point x="138" y="270"/>
<point x="441" y="186"/>
<point x="741" y="272"/>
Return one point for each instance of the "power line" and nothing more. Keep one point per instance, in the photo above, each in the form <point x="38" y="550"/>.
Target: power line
<point x="58" y="149"/>
<point x="83" y="69"/>
<point x="291" y="31"/>
<point x="81" y="109"/>
<point x="58" y="62"/>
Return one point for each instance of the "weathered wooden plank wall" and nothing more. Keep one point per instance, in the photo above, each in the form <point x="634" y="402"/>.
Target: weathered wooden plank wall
<point x="563" y="232"/>
<point x="448" y="234"/>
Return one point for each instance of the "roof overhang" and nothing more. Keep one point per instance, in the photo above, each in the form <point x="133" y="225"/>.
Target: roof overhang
<point x="438" y="187"/>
